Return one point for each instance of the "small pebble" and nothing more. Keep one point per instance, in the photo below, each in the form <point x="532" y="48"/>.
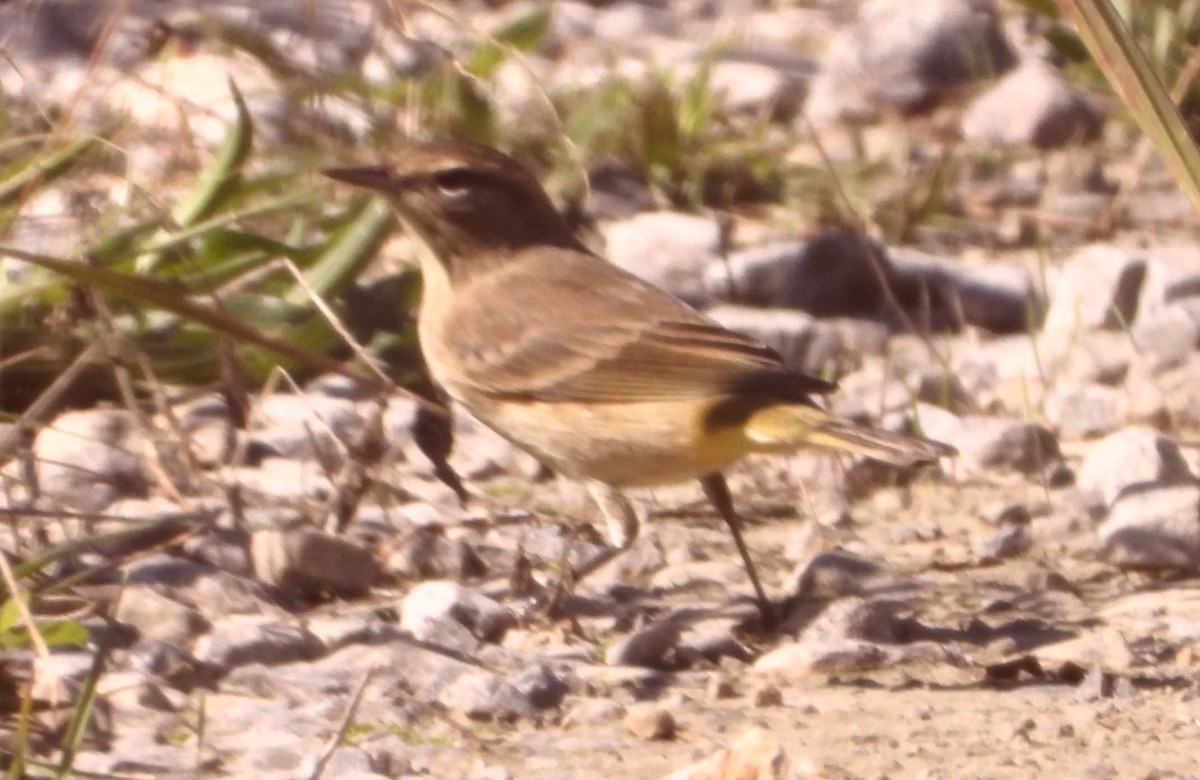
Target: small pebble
<point x="650" y="721"/>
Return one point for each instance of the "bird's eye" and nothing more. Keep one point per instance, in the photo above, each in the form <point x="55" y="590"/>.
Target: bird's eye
<point x="453" y="184"/>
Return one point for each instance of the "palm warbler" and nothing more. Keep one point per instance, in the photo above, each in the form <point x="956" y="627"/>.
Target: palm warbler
<point x="597" y="373"/>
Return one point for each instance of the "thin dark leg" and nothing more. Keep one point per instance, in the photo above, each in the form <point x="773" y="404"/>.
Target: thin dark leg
<point x="718" y="493"/>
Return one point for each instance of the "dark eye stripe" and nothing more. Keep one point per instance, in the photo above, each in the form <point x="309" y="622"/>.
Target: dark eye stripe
<point x="455" y="178"/>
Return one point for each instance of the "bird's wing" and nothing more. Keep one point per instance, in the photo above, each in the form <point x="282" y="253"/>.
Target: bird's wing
<point x="572" y="327"/>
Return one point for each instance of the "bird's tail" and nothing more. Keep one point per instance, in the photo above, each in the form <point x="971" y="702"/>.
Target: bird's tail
<point x="796" y="426"/>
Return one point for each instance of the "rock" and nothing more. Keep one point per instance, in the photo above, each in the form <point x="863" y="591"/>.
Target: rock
<point x="845" y="637"/>
<point x="484" y="696"/>
<point x="592" y="711"/>
<point x="817" y="347"/>
<point x="1033" y="106"/>
<point x="754" y="275"/>
<point x="755" y="89"/>
<point x="59" y="677"/>
<point x="282" y="482"/>
<point x="540" y="686"/>
<point x="157" y="617"/>
<point x="647" y="646"/>
<point x="834" y="573"/>
<point x="650" y="721"/>
<point x="714" y="639"/>
<point x="999" y="545"/>
<point x="1083" y="411"/>
<point x="1099" y="288"/>
<point x="906" y="58"/>
<point x="209" y="428"/>
<point x="666" y="248"/>
<point x="87" y="459"/>
<point x="798" y="660"/>
<point x="837" y="273"/>
<point x="755" y="755"/>
<point x="1155" y="527"/>
<point x="1130" y="457"/>
<point x="305" y="426"/>
<point x="1172" y="276"/>
<point x="999" y="297"/>
<point x="238" y="640"/>
<point x="986" y="443"/>
<point x="434" y="607"/>
<point x="720" y="687"/>
<point x="1005" y="513"/>
<point x="427" y="553"/>
<point x="313" y="562"/>
<point x="1168" y="334"/>
<point x="766" y="695"/>
<point x="1172" y="398"/>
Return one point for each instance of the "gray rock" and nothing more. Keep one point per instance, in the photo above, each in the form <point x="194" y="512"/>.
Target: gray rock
<point x="432" y="608"/>
<point x="540" y="686"/>
<point x="1033" y="106"/>
<point x="1156" y="527"/>
<point x="313" y="562"/>
<point x="1083" y="411"/>
<point x="755" y="88"/>
<point x="669" y="249"/>
<point x="1005" y="513"/>
<point x="1172" y="276"/>
<point x="813" y="346"/>
<point x="208" y="425"/>
<point x="427" y="553"/>
<point x="837" y="273"/>
<point x="482" y="695"/>
<point x="159" y="617"/>
<point x="998" y="545"/>
<point x="834" y="573"/>
<point x="647" y="646"/>
<point x="1168" y="334"/>
<point x="999" y="297"/>
<point x="906" y="58"/>
<point x="1171" y="398"/>
<point x="224" y="548"/>
<point x="238" y="640"/>
<point x="754" y="275"/>
<point x="305" y="426"/>
<point x="59" y="676"/>
<point x="992" y="442"/>
<point x="283" y="482"/>
<point x="89" y="458"/>
<point x="1132" y="457"/>
<point x="1099" y="288"/>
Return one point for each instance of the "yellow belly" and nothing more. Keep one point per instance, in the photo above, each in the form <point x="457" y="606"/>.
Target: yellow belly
<point x="624" y="445"/>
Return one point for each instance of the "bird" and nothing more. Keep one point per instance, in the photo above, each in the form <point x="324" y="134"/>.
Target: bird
<point x="602" y="376"/>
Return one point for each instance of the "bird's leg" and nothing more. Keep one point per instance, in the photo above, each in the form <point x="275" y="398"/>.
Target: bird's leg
<point x="718" y="493"/>
<point x="433" y="430"/>
<point x="622" y="523"/>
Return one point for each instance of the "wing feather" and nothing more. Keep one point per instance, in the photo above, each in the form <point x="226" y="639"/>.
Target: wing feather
<point x="608" y="336"/>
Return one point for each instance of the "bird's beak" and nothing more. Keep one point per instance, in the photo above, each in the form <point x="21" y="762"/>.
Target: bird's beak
<point x="372" y="177"/>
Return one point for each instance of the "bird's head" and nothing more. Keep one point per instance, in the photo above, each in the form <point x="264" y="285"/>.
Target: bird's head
<point x="466" y="201"/>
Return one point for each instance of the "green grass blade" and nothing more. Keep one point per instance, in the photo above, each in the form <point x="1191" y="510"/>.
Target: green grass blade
<point x="44" y="168"/>
<point x="170" y="298"/>
<point x="1129" y="72"/>
<point x="347" y="252"/>
<point x="219" y="180"/>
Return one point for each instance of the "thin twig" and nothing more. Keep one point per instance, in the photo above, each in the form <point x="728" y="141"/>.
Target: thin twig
<point x="347" y="719"/>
